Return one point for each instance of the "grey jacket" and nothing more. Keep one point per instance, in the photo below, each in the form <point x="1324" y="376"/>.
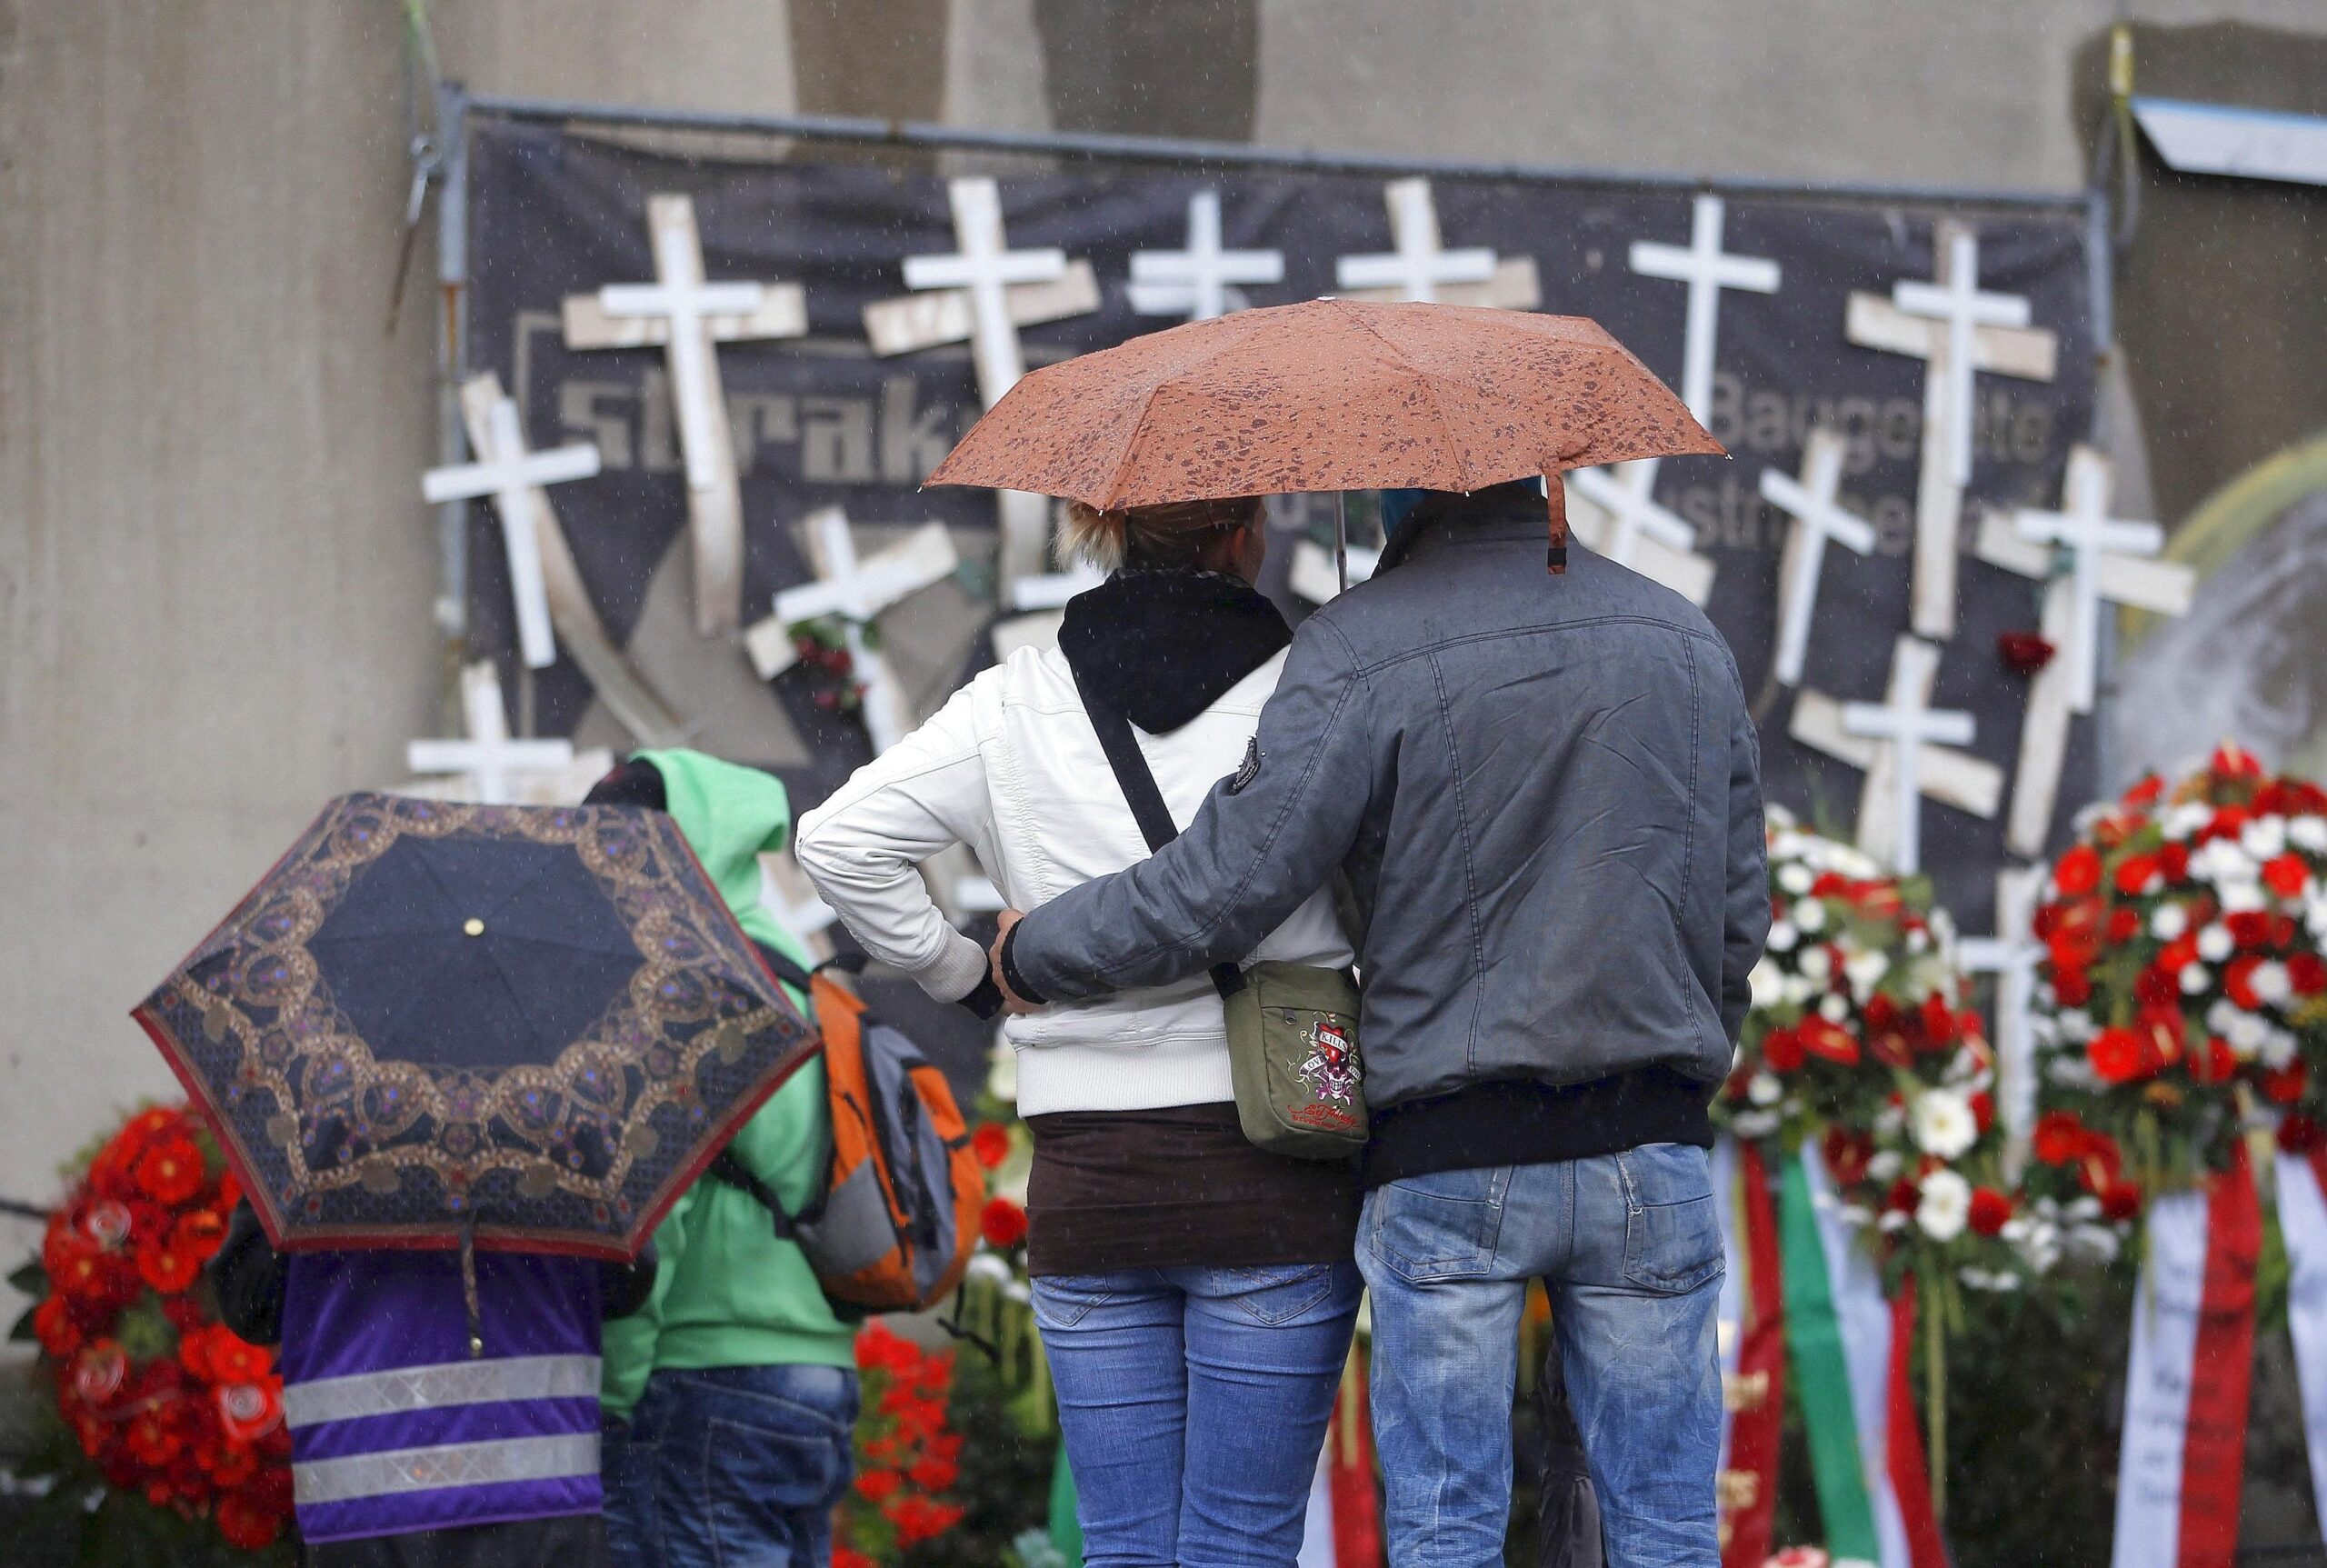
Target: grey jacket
<point x="1546" y="793"/>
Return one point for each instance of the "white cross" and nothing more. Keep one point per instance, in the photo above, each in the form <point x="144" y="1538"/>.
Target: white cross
<point x="1194" y="282"/>
<point x="513" y="476"/>
<point x="1707" y="269"/>
<point x="1956" y="299"/>
<point x="689" y="316"/>
<point x="1052" y="590"/>
<point x="2011" y="955"/>
<point x="2089" y="536"/>
<point x="1314" y="578"/>
<point x="2030" y="354"/>
<point x="1902" y="726"/>
<point x="491" y="762"/>
<point x="1818" y="517"/>
<point x="1418" y="264"/>
<point x="984" y="268"/>
<point x="855" y="592"/>
<point x="1622" y="520"/>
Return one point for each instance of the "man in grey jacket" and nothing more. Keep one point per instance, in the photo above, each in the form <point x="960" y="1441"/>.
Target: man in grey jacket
<point x="1544" y="794"/>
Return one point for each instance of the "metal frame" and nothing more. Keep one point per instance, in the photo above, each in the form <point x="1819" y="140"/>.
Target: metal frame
<point x="455" y="107"/>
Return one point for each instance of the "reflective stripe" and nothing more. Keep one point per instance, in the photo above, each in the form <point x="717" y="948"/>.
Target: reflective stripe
<point x="411" y="1388"/>
<point x="496" y="1463"/>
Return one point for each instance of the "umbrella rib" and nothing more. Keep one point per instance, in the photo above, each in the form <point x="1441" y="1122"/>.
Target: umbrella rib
<point x="1131" y="444"/>
<point x="515" y="1003"/>
<point x="1427" y="378"/>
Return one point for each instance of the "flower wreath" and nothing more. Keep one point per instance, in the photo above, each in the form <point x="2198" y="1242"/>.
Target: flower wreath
<point x="2183" y="988"/>
<point x="1855" y="1040"/>
<point x="163" y="1402"/>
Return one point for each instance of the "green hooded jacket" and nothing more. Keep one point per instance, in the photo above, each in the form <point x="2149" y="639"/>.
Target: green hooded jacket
<point x="729" y="1293"/>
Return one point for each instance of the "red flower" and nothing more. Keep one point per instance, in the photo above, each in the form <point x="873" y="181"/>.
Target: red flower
<point x="199" y="1232"/>
<point x="2072" y="986"/>
<point x="1848" y="1153"/>
<point x="2116" y="1055"/>
<point x="850" y="1557"/>
<point x="2252" y="927"/>
<point x="2284" y="1086"/>
<point x="167" y="1269"/>
<point x="2058" y="1139"/>
<point x="2237" y="982"/>
<point x="919" y="1519"/>
<point x="1831" y="1040"/>
<point x="248" y="1523"/>
<point x="2285" y="874"/>
<point x="991" y="1143"/>
<point x="2232" y="762"/>
<point x="1781" y="1049"/>
<point x="2121" y="1201"/>
<point x="2300" y="1134"/>
<point x="171" y="1172"/>
<point x="2078" y="872"/>
<point x="2135" y="872"/>
<point x="2214" y="1062"/>
<point x="877" y="1485"/>
<point x="932" y="1473"/>
<point x="2174" y="860"/>
<point x="2023" y="652"/>
<point x="1984" y="1110"/>
<point x="2145" y="793"/>
<point x="2307" y="973"/>
<point x="54" y="1326"/>
<point x="1003" y="1223"/>
<point x="2124" y="924"/>
<point x="1990" y="1211"/>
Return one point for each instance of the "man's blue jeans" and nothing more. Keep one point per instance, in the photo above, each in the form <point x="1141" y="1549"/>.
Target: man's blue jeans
<point x="1194" y="1404"/>
<point x="732" y="1467"/>
<point x="1630" y="1248"/>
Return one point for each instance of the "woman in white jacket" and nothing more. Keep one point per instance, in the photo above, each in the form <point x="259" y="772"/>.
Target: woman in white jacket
<point x="1194" y="1295"/>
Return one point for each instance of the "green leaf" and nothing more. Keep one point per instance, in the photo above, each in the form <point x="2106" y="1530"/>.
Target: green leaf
<point x="30" y="1280"/>
<point x="22" y="1330"/>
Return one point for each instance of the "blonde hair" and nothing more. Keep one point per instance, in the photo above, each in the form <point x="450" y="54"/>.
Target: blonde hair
<point x="1176" y="533"/>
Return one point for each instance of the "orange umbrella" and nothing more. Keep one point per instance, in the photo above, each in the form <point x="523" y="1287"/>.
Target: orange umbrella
<point x="1329" y="395"/>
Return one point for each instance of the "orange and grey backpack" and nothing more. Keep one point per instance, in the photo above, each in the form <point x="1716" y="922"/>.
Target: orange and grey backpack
<point x="895" y="1224"/>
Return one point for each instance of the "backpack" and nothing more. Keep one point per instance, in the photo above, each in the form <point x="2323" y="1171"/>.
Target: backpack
<point x="895" y="1224"/>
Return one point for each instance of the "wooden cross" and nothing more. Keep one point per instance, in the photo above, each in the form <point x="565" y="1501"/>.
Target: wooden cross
<point x="1198" y="281"/>
<point x="2162" y="588"/>
<point x="2085" y="533"/>
<point x="1707" y="269"/>
<point x="2011" y="955"/>
<point x="1044" y="598"/>
<point x="2029" y="354"/>
<point x="1621" y="519"/>
<point x="1313" y="577"/>
<point x="853" y="592"/>
<point x="495" y="768"/>
<point x="1818" y="517"/>
<point x="1419" y="268"/>
<point x="513" y="478"/>
<point x="1954" y="298"/>
<point x="1895" y="742"/>
<point x="791" y="900"/>
<point x="688" y="317"/>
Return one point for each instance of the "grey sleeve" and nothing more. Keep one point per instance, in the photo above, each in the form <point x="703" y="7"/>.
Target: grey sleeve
<point x="1253" y="854"/>
<point x="1746" y="916"/>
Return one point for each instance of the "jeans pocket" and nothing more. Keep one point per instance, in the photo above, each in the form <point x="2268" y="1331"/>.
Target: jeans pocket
<point x="1444" y="1225"/>
<point x="1671" y="1233"/>
<point x="768" y="1488"/>
<point x="1278" y="1296"/>
<point x="1061" y="1301"/>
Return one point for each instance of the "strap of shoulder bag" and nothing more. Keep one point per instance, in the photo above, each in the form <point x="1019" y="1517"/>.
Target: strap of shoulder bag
<point x="1137" y="782"/>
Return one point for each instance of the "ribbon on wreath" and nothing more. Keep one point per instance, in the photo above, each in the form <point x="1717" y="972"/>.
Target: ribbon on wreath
<point x="1852" y="1352"/>
<point x="2302" y="1221"/>
<point x="2188" y="1378"/>
<point x="1752" y="1354"/>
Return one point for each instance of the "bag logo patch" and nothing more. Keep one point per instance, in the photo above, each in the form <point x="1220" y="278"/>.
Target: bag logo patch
<point x="1330" y="1068"/>
<point x="1249" y="769"/>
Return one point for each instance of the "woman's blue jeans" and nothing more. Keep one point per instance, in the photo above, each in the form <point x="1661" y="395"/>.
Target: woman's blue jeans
<point x="1193" y="1402"/>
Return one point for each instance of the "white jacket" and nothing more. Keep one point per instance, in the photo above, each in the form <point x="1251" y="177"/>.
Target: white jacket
<point x="1012" y="767"/>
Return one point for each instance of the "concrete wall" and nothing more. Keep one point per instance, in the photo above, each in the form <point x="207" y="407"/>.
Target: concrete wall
<point x="215" y="575"/>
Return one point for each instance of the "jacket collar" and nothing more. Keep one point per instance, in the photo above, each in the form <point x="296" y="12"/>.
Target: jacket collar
<point x="1497" y="515"/>
<point x="1161" y="647"/>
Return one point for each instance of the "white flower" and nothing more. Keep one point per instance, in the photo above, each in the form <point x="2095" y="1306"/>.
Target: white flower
<point x="1945" y="1205"/>
<point x="2086" y="1207"/>
<point x="1886" y="1165"/>
<point x="1996" y="1280"/>
<point x="1943" y="1124"/>
<point x="1765" y="1090"/>
<point x="2314" y="916"/>
<point x="1832" y="1008"/>
<point x="1796" y="878"/>
<point x="988" y="1266"/>
<point x="1019" y="1290"/>
<point x="1891" y="1220"/>
<point x="1855" y="1215"/>
<point x="1768" y="983"/>
<point x="2246" y="1034"/>
<point x="2195" y="977"/>
<point x="1782" y="937"/>
<point x="2076" y="1025"/>
<point x="2269" y="981"/>
<point x="2242" y="895"/>
<point x="2222" y="859"/>
<point x="2214" y="943"/>
<point x="1779" y="817"/>
<point x="1918" y="941"/>
<point x="2264" y="838"/>
<point x="2277" y="1048"/>
<point x="2219" y="1016"/>
<point x="2309" y="834"/>
<point x="1864" y="970"/>
<point x="2093" y="1244"/>
<point x="1816" y="962"/>
<point x="1753" y="1124"/>
<point x="2180" y="822"/>
<point x="2168" y="921"/>
<point x="1809" y="914"/>
<point x="1890" y="1119"/>
<point x="1799" y="989"/>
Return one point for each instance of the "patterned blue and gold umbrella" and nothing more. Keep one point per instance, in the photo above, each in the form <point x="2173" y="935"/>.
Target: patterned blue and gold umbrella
<point x="434" y="1022"/>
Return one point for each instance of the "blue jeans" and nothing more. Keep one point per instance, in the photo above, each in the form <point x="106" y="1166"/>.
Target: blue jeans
<point x="1630" y="1248"/>
<point x="732" y="1467"/>
<point x="1194" y="1404"/>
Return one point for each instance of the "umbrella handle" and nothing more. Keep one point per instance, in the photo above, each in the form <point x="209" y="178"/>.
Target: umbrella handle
<point x="1341" y="540"/>
<point x="1556" y="502"/>
<point x="468" y="1287"/>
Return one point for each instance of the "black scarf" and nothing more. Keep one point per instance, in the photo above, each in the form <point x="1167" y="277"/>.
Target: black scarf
<point x="1161" y="647"/>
